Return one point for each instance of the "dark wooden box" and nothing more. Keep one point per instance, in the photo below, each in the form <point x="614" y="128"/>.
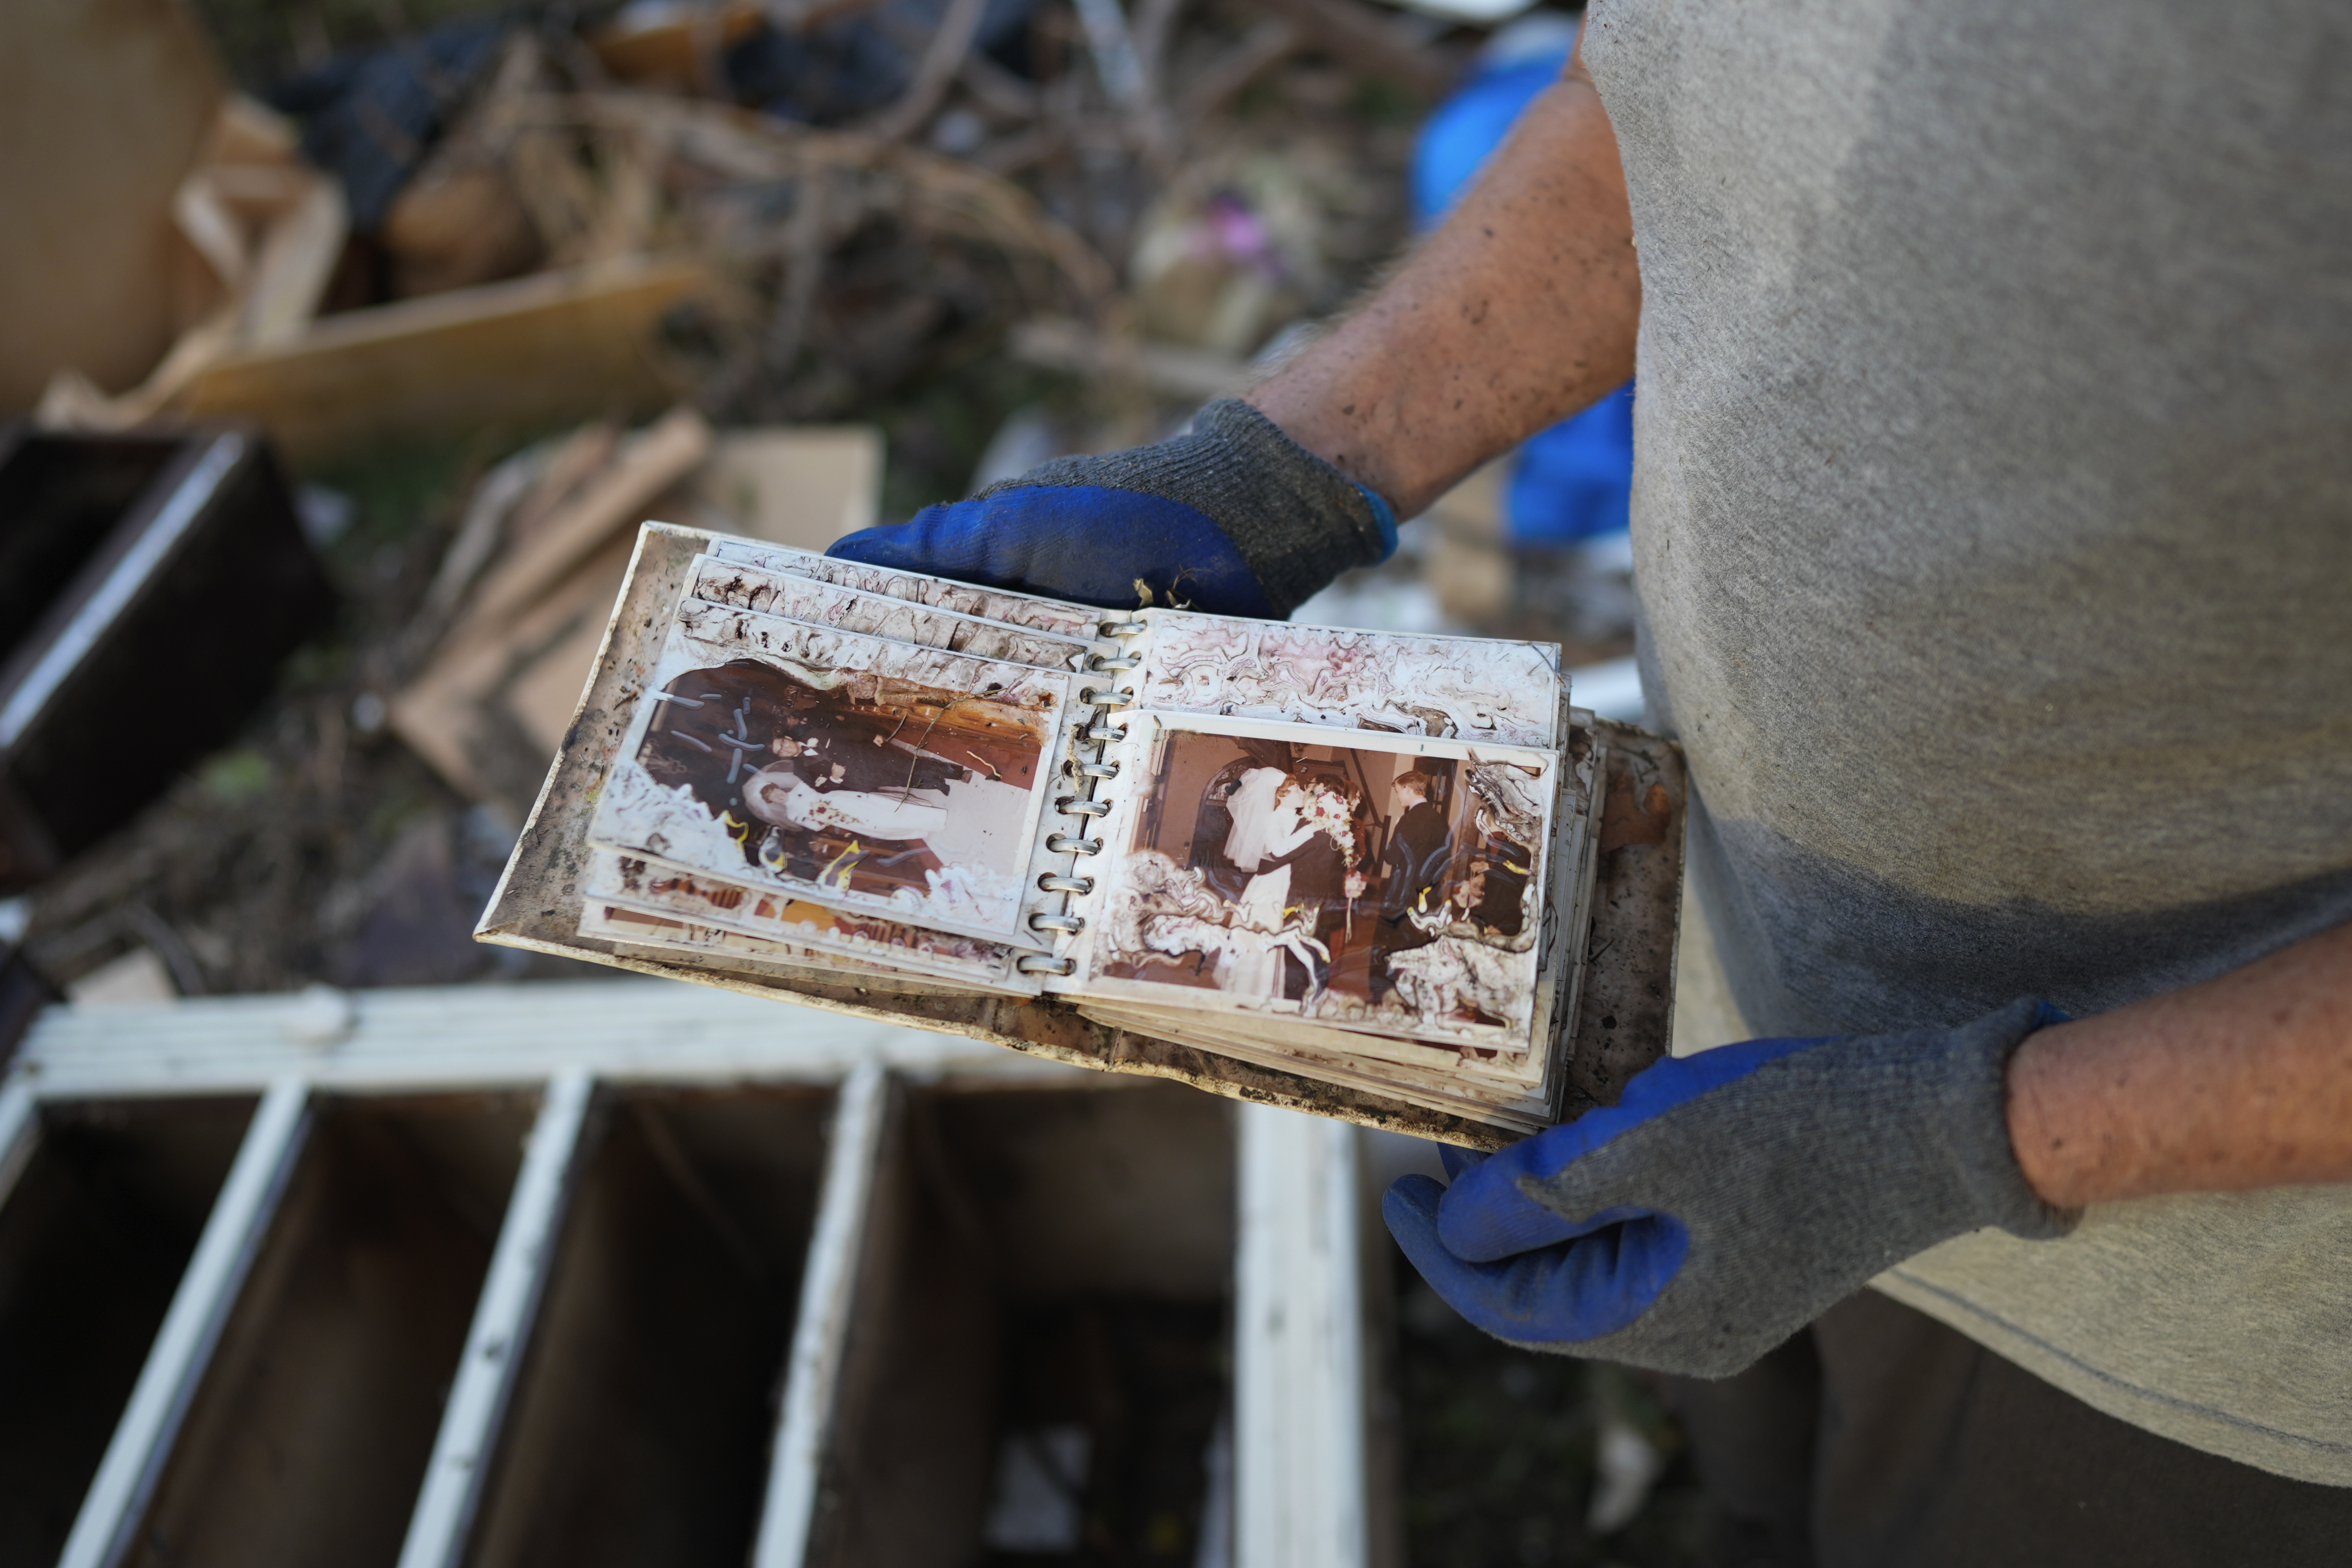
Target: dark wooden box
<point x="150" y="585"/>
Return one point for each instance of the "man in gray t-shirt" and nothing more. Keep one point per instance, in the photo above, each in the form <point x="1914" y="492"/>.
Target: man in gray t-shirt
<point x="1993" y="530"/>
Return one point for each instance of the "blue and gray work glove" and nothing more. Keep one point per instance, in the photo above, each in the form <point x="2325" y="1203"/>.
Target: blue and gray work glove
<point x="1731" y="1196"/>
<point x="1235" y="518"/>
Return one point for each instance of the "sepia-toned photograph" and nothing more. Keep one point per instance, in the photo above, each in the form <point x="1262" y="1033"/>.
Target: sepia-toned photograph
<point x="1372" y="885"/>
<point x="855" y="772"/>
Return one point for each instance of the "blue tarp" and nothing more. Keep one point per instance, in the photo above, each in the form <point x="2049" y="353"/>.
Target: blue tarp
<point x="1575" y="479"/>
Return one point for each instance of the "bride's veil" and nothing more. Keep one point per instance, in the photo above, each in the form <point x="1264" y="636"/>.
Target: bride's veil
<point x="1252" y="805"/>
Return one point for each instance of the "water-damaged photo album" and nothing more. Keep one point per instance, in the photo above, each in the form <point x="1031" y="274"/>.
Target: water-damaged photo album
<point x="1361" y="858"/>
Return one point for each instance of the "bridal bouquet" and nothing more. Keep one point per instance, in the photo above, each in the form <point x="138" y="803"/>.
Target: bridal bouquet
<point x="1327" y="811"/>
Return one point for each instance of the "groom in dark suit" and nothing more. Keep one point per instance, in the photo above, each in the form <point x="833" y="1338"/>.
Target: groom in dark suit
<point x="1414" y="869"/>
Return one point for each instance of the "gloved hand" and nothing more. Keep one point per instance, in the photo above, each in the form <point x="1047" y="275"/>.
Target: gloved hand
<point x="1731" y="1196"/>
<point x="1236" y="518"/>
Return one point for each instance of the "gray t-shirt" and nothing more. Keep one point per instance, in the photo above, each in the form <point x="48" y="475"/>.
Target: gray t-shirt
<point x="1992" y="520"/>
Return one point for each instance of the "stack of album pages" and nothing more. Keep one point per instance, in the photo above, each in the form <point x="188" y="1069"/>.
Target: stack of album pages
<point x="1357" y="864"/>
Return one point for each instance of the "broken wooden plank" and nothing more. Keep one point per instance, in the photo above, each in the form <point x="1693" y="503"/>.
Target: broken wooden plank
<point x="118" y="1495"/>
<point x="804" y="485"/>
<point x="107" y="106"/>
<point x="828" y="1292"/>
<point x="551" y="588"/>
<point x="455" y="1477"/>
<point x="459" y="716"/>
<point x="648" y="464"/>
<point x="539" y="351"/>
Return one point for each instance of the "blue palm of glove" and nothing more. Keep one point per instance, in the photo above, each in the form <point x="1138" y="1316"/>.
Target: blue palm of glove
<point x="1089" y="543"/>
<point x="1523" y="1271"/>
<point x="1731" y="1196"/>
<point x="1233" y="517"/>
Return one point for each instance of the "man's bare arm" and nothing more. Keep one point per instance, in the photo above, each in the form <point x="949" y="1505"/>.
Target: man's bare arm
<point x="2242" y="1081"/>
<point x="1518" y="312"/>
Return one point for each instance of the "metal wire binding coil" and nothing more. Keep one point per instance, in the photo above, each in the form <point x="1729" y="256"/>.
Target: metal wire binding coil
<point x="1124" y="628"/>
<point x="1088" y="769"/>
<point x="1031" y="963"/>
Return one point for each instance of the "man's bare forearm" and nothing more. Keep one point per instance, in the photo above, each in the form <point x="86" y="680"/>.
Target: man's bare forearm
<point x="1518" y="312"/>
<point x="2242" y="1081"/>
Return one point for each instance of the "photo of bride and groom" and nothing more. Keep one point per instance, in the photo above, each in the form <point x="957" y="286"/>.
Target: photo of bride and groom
<point x="1311" y="872"/>
<point x="858" y="783"/>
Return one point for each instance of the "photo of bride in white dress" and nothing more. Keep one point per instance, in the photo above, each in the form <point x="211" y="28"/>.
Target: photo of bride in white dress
<point x="1268" y="824"/>
<point x="975" y="823"/>
<point x="843" y="769"/>
<point x="780" y="796"/>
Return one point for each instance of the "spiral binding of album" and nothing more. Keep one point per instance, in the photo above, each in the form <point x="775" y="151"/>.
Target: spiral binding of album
<point x="1089" y="774"/>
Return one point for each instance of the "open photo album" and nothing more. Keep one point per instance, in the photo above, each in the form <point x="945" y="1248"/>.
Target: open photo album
<point x="1350" y="870"/>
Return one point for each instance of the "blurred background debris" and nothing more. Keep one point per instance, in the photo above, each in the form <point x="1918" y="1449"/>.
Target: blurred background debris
<point x="1516" y="1457"/>
<point x="118" y="556"/>
<point x="487" y="284"/>
<point x="509" y="626"/>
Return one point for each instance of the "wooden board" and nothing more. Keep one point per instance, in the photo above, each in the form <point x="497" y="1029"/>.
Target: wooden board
<point x="103" y="105"/>
<point x="1636" y="900"/>
<point x="804" y="485"/>
<point x="536" y="351"/>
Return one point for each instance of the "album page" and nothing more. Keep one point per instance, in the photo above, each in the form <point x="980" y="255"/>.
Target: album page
<point x="1079" y="621"/>
<point x="768" y="591"/>
<point x="1558" y="966"/>
<point x="1342" y="879"/>
<point x="761" y="831"/>
<point x="843" y="769"/>
<point x="1458" y="688"/>
<point x="1452" y="1094"/>
<point x="658" y="903"/>
<point x="1520" y="1089"/>
<point x="662" y="889"/>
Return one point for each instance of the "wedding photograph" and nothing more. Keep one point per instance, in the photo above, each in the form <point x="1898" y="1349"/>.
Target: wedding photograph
<point x="871" y="775"/>
<point x="1354" y="881"/>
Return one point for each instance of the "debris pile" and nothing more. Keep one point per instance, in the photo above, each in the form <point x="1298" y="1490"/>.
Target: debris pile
<point x="785" y="212"/>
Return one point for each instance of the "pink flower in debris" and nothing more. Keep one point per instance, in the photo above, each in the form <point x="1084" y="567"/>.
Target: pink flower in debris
<point x="1242" y="235"/>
